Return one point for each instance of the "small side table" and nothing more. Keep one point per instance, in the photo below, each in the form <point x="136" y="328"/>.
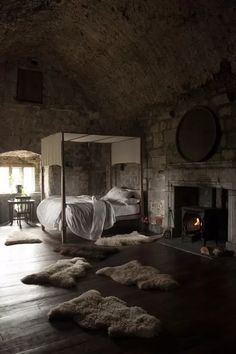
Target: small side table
<point x="21" y="208"/>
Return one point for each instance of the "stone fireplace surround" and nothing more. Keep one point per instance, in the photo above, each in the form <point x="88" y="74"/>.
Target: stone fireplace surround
<point x="197" y="175"/>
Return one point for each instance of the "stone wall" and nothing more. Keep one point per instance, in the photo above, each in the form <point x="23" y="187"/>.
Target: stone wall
<point x="126" y="175"/>
<point x="86" y="170"/>
<point x="23" y="124"/>
<point x="64" y="108"/>
<point x="164" y="166"/>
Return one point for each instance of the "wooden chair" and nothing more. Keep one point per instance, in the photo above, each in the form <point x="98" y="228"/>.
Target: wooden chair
<point x="23" y="208"/>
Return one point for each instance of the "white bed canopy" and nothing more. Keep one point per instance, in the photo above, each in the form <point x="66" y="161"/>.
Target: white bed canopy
<point x="124" y="149"/>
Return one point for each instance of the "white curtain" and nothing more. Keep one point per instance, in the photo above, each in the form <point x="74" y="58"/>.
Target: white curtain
<point x="126" y="151"/>
<point x="51" y="150"/>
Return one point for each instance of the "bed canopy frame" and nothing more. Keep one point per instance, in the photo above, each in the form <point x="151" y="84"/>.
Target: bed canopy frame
<point x="124" y="149"/>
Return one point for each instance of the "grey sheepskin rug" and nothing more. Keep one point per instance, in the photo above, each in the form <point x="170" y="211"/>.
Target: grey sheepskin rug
<point x="63" y="274"/>
<point x="96" y="253"/>
<point x="93" y="311"/>
<point x="134" y="238"/>
<point x="19" y="237"/>
<point x="145" y="277"/>
<point x="216" y="251"/>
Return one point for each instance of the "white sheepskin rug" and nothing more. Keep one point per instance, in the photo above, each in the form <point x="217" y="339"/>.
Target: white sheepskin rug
<point x="93" y="311"/>
<point x="145" y="277"/>
<point x="63" y="274"/>
<point x="134" y="238"/>
<point x="19" y="237"/>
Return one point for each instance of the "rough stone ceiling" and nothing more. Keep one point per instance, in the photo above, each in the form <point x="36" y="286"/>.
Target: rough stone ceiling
<point x="126" y="55"/>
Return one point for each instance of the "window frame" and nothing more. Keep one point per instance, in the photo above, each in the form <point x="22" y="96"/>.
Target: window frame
<point x="11" y="185"/>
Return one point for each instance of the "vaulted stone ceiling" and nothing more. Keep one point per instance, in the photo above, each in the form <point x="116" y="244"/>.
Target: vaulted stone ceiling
<point x="126" y="55"/>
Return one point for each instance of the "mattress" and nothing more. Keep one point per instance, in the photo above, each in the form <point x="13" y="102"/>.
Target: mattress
<point x="126" y="210"/>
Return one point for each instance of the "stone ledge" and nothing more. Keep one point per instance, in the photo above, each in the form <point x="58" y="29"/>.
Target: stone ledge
<point x="200" y="165"/>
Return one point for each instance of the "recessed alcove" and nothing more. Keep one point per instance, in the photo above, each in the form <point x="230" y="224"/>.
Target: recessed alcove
<point x="18" y="167"/>
<point x="209" y="202"/>
<point x="203" y="187"/>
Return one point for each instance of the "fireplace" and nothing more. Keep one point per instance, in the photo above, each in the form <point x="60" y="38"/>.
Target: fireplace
<point x="203" y="186"/>
<point x="204" y="223"/>
<point x="200" y="213"/>
<point x="192" y="223"/>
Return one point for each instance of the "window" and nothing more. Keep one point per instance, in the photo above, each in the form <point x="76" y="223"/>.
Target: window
<point x="11" y="176"/>
<point x="29" y="85"/>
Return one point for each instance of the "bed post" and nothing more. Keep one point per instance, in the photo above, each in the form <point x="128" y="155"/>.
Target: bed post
<point x="141" y="182"/>
<point x="63" y="197"/>
<point x="111" y="168"/>
<point x="42" y="182"/>
<point x="42" y="188"/>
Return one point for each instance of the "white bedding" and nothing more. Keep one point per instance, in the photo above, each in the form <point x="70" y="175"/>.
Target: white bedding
<point x="125" y="210"/>
<point x="85" y="216"/>
<point x="125" y="201"/>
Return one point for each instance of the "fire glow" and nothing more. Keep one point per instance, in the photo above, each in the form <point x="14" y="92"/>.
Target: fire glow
<point x="197" y="222"/>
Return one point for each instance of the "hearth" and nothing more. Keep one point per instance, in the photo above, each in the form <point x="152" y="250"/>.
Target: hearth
<point x="204" y="223"/>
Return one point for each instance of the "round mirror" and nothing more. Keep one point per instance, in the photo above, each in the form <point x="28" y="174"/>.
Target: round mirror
<point x="197" y="134"/>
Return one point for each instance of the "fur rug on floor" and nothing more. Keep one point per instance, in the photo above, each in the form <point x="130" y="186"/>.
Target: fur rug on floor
<point x="219" y="251"/>
<point x="134" y="238"/>
<point x="93" y="311"/>
<point x="96" y="253"/>
<point x="63" y="274"/>
<point x="20" y="237"/>
<point x="145" y="277"/>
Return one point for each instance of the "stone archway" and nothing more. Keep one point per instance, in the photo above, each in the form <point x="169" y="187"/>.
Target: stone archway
<point x="18" y="167"/>
<point x="20" y="155"/>
<point x="20" y="159"/>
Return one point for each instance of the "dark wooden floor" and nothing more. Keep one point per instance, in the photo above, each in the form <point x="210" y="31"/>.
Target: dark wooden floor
<point x="197" y="318"/>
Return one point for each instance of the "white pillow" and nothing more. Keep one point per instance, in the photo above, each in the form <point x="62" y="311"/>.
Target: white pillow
<point x="133" y="193"/>
<point x="117" y="193"/>
<point x="131" y="201"/>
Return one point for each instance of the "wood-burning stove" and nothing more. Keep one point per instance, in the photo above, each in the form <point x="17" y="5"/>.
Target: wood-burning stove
<point x="204" y="223"/>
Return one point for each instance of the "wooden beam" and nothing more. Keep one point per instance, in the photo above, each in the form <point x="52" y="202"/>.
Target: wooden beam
<point x="63" y="193"/>
<point x="42" y="188"/>
<point x="141" y="182"/>
<point x="111" y="170"/>
<point x="42" y="183"/>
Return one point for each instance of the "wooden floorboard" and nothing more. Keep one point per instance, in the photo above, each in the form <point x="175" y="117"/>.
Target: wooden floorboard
<point x="199" y="317"/>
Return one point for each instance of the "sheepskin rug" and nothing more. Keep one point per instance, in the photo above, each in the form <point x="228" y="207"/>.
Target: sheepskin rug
<point x="96" y="253"/>
<point x="134" y="238"/>
<point x="219" y="251"/>
<point x="145" y="277"/>
<point x="93" y="311"/>
<point x="19" y="237"/>
<point x="63" y="274"/>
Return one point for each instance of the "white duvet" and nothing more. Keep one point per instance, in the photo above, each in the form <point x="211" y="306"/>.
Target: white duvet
<point x="86" y="216"/>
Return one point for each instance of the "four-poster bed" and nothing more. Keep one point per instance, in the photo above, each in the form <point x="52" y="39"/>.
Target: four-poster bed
<point x="124" y="149"/>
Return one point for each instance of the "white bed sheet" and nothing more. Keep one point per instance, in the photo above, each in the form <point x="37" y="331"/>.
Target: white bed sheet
<point x="85" y="216"/>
